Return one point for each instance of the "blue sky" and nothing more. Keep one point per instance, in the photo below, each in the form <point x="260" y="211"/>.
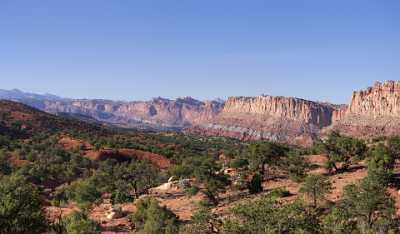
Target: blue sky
<point x="138" y="49"/>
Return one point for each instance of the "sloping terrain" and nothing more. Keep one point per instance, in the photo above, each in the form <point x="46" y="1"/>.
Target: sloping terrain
<point x="19" y="120"/>
<point x="158" y="113"/>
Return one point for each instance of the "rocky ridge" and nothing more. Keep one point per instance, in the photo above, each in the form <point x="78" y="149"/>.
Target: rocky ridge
<point x="282" y="119"/>
<point x="158" y="113"/>
<point x="373" y="112"/>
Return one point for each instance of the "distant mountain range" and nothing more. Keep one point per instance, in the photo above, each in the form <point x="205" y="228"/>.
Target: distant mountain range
<point x="372" y="113"/>
<point x="158" y="113"/>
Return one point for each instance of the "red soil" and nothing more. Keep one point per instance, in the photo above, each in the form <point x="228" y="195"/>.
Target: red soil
<point x="157" y="160"/>
<point x="128" y="154"/>
<point x="20" y="116"/>
<point x="69" y="143"/>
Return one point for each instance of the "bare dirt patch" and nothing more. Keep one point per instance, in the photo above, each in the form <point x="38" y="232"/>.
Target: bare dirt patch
<point x="70" y="143"/>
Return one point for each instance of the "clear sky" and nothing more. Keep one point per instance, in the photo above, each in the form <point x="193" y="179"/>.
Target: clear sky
<point x="138" y="49"/>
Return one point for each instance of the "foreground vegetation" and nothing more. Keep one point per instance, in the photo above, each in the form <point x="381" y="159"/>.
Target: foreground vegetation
<point x="36" y="171"/>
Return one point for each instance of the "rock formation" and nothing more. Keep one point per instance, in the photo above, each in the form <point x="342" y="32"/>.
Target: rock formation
<point x="282" y="119"/>
<point x="373" y="112"/>
<point x="159" y="113"/>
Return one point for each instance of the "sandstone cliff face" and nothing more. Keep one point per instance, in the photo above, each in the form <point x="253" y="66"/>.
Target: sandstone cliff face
<point x="373" y="112"/>
<point x="281" y="119"/>
<point x="158" y="112"/>
<point x="383" y="99"/>
<point x="339" y="113"/>
<point x="281" y="107"/>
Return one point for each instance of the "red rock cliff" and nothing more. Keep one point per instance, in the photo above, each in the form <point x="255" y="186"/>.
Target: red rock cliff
<point x="373" y="112"/>
<point x="281" y="119"/>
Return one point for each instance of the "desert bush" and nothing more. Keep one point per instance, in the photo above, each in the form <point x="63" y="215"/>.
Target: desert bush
<point x="316" y="187"/>
<point x="151" y="218"/>
<point x="20" y="207"/>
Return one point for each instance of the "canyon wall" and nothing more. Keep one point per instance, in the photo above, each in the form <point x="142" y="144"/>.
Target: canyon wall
<point x="374" y="112"/>
<point x="382" y="99"/>
<point x="281" y="119"/>
<point x="156" y="114"/>
<point x="281" y="107"/>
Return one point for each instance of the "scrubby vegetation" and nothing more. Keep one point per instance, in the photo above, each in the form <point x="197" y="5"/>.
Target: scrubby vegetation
<point x="229" y="176"/>
<point x="151" y="218"/>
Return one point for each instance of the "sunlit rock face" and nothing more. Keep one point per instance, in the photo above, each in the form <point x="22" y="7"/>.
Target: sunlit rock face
<point x="374" y="112"/>
<point x="158" y="112"/>
<point x="280" y="119"/>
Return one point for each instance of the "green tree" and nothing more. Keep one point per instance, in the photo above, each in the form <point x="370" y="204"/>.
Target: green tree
<point x="381" y="164"/>
<point x="266" y="215"/>
<point x="135" y="177"/>
<point x="201" y="223"/>
<point x="79" y="223"/>
<point x="338" y="221"/>
<point x="151" y="218"/>
<point x="370" y="205"/>
<point x="207" y="173"/>
<point x="342" y="151"/>
<point x="262" y="154"/>
<point x="84" y="192"/>
<point x="296" y="166"/>
<point x="5" y="167"/>
<point x="20" y="207"/>
<point x="76" y="223"/>
<point x="255" y="185"/>
<point x="316" y="187"/>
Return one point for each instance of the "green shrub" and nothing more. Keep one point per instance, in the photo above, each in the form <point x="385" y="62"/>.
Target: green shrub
<point x="84" y="192"/>
<point x="266" y="215"/>
<point x="239" y="163"/>
<point x="79" y="223"/>
<point x="280" y="193"/>
<point x="316" y="187"/>
<point x="151" y="218"/>
<point x="255" y="185"/>
<point x="20" y="207"/>
<point x="193" y="190"/>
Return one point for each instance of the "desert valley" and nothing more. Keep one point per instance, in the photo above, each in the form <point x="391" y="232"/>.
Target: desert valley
<point x="189" y="166"/>
<point x="199" y="117"/>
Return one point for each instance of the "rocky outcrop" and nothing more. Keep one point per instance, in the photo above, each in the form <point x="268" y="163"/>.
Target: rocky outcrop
<point x="281" y="107"/>
<point x="373" y="112"/>
<point x="383" y="99"/>
<point x="281" y="119"/>
<point x="339" y="113"/>
<point x="159" y="113"/>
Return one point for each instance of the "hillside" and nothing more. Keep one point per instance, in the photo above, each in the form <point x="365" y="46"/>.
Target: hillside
<point x="158" y="113"/>
<point x="20" y="120"/>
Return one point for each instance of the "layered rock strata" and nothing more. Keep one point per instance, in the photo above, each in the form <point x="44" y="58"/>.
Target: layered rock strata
<point x="159" y="113"/>
<point x="281" y="119"/>
<point x="374" y="112"/>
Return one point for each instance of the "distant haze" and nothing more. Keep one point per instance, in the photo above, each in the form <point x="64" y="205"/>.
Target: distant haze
<point x="136" y="50"/>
